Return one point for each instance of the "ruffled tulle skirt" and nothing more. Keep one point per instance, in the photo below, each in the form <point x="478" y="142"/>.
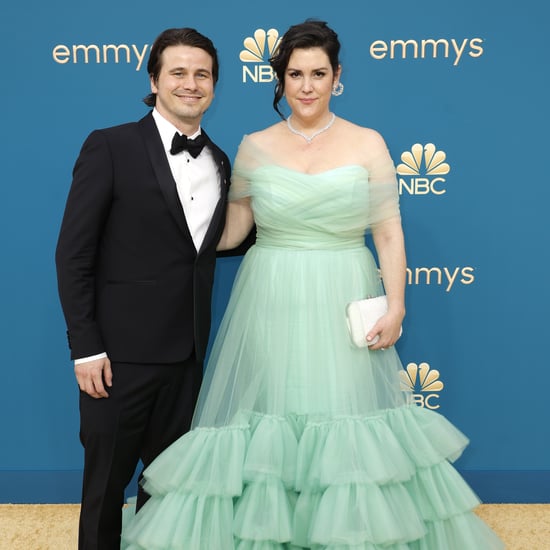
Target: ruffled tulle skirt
<point x="301" y="440"/>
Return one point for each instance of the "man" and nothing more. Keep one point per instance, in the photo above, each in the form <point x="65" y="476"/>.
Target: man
<point x="135" y="261"/>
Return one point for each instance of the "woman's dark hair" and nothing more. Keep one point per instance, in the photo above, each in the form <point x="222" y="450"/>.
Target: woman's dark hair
<point x="309" y="34"/>
<point x="178" y="37"/>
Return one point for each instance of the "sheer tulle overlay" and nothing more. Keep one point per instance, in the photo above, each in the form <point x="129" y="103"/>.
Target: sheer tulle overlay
<point x="300" y="440"/>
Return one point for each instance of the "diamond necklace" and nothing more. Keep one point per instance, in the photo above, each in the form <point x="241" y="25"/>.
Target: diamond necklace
<point x="309" y="139"/>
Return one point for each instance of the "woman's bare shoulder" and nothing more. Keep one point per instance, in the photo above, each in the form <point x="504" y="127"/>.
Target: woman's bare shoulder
<point x="363" y="134"/>
<point x="266" y="136"/>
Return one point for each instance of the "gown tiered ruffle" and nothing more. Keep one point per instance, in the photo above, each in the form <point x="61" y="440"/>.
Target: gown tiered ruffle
<point x="301" y="440"/>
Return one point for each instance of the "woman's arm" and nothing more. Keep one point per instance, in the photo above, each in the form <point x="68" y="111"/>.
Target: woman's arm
<point x="239" y="221"/>
<point x="390" y="246"/>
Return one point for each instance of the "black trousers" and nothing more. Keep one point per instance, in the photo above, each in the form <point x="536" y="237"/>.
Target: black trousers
<point x="149" y="407"/>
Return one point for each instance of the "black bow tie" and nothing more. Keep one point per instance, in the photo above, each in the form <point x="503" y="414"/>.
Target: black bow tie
<point x="194" y="146"/>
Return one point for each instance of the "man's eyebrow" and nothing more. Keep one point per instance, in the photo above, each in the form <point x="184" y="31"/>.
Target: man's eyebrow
<point x="199" y="70"/>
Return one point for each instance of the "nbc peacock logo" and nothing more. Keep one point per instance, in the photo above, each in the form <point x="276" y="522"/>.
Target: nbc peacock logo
<point x="422" y="168"/>
<point x="423" y="383"/>
<point x="257" y="51"/>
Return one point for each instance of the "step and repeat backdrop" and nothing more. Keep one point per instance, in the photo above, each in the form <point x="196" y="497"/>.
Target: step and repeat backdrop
<point x="459" y="90"/>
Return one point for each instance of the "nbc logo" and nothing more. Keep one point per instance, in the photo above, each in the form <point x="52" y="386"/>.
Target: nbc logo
<point x="422" y="160"/>
<point x="258" y="50"/>
<point x="423" y="383"/>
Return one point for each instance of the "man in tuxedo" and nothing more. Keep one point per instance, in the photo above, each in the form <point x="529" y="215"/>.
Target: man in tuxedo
<point x="135" y="262"/>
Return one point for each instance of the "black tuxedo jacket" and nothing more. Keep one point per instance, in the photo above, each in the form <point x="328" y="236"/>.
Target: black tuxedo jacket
<point x="130" y="280"/>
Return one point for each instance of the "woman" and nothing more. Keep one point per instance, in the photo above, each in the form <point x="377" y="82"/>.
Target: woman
<point x="301" y="439"/>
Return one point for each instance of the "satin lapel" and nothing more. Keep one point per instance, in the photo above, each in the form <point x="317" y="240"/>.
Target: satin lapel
<point x="156" y="152"/>
<point x="219" y="211"/>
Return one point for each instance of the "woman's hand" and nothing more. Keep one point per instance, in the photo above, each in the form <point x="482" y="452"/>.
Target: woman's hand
<point x="388" y="329"/>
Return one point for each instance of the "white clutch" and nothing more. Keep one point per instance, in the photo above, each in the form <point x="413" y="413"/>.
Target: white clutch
<point x="362" y="316"/>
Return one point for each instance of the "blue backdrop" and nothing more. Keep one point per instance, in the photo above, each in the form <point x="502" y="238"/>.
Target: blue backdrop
<point x="459" y="90"/>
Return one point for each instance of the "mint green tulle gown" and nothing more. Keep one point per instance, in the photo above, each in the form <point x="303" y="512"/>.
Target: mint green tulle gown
<point x="301" y="440"/>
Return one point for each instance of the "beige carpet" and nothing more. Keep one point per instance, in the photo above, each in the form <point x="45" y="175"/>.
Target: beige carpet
<point x="54" y="526"/>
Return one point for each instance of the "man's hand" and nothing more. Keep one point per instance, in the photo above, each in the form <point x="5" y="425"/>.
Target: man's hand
<point x="93" y="376"/>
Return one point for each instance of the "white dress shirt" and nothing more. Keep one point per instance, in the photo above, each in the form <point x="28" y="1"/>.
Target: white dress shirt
<point x="198" y="183"/>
